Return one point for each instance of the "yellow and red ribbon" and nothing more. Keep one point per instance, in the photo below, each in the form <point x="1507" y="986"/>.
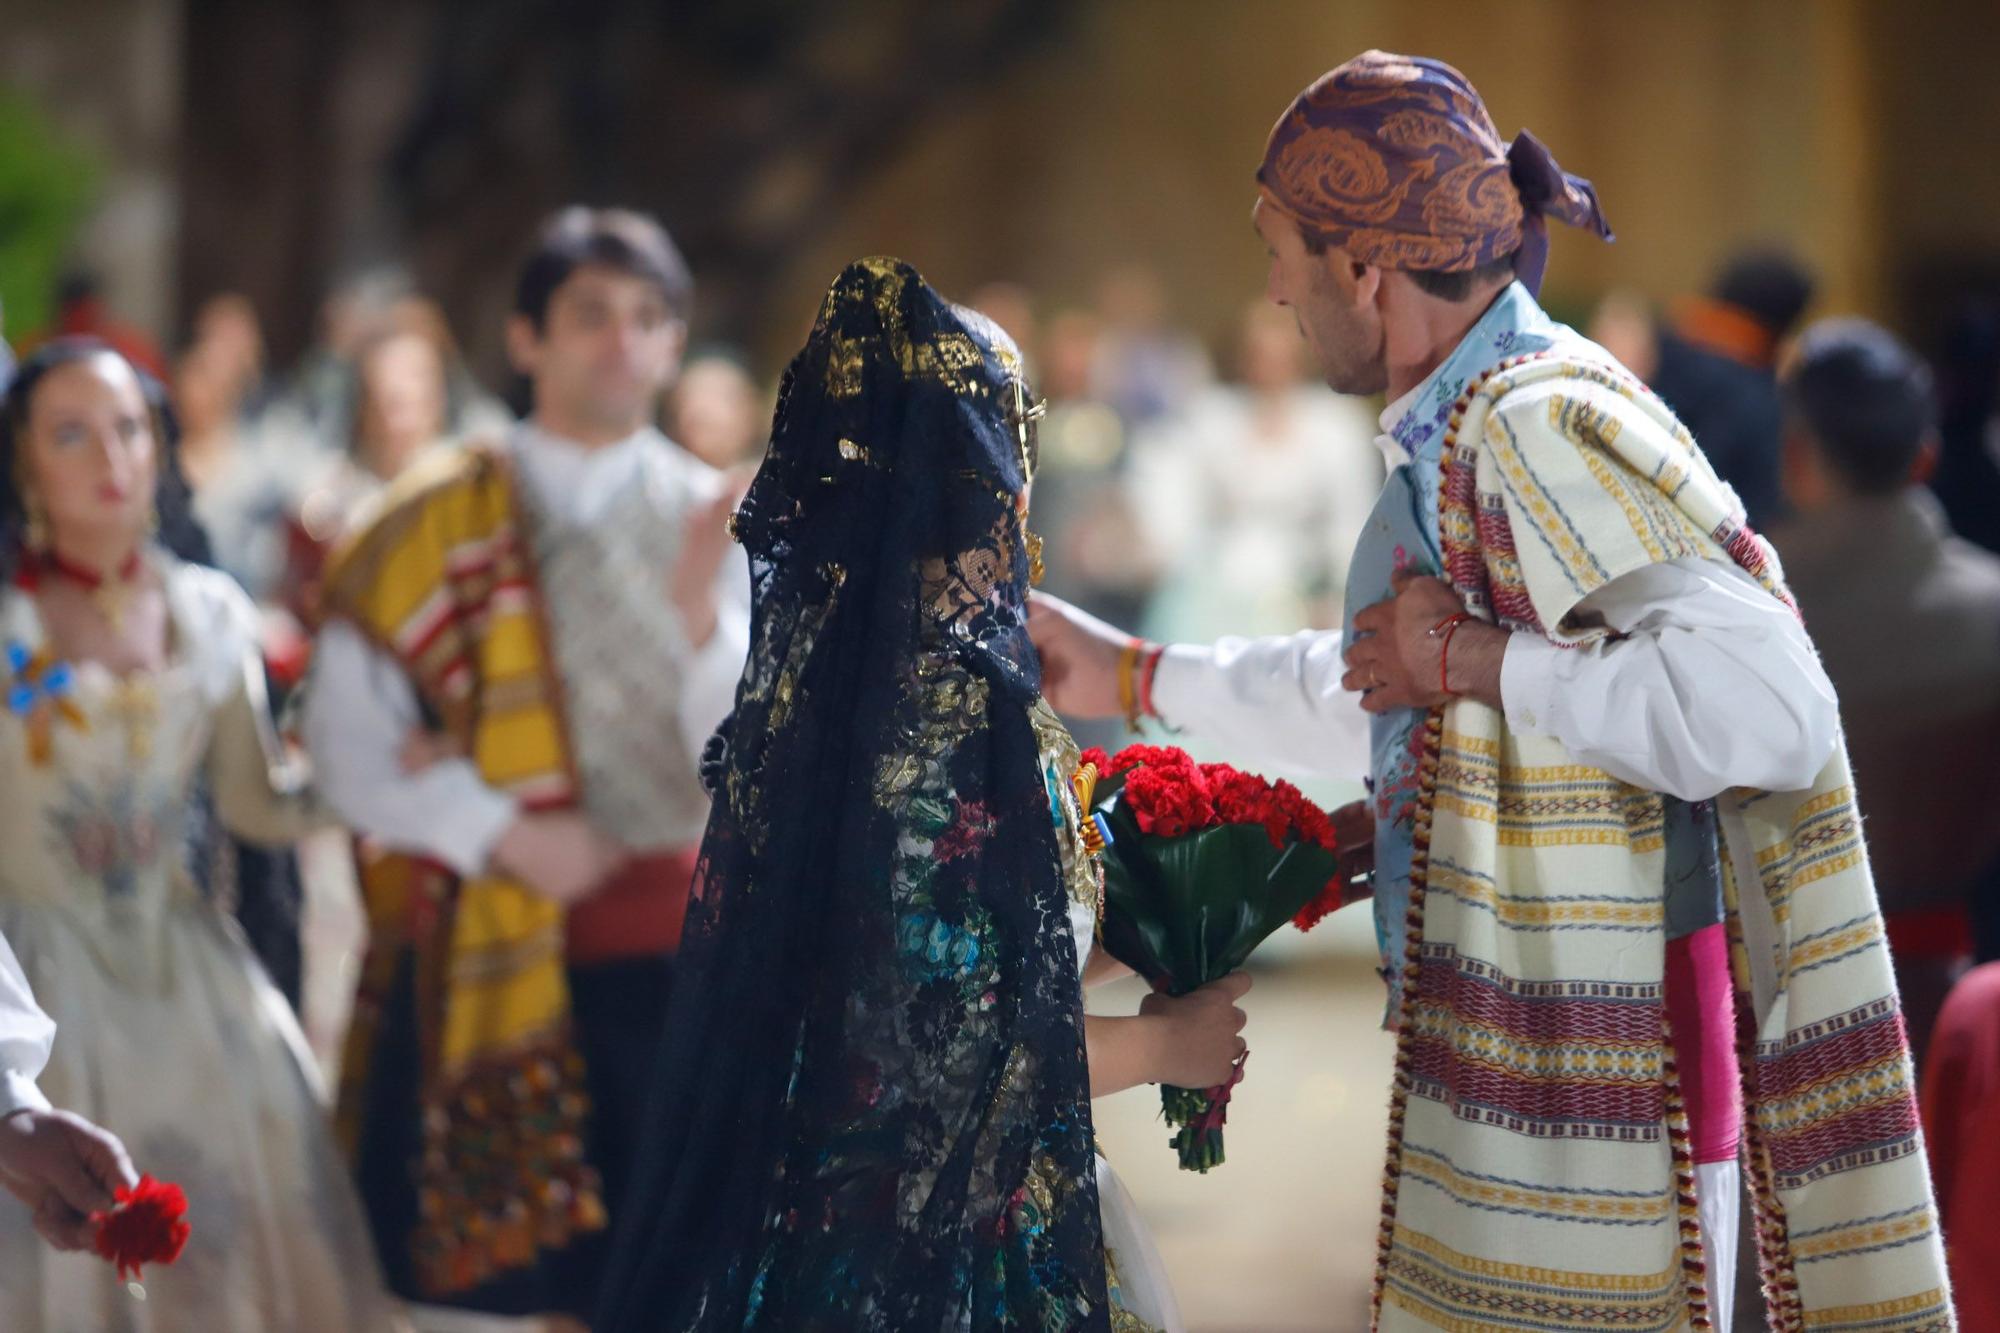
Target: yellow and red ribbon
<point x="39" y="696"/>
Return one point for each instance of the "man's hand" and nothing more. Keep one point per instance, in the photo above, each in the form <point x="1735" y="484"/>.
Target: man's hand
<point x="424" y="749"/>
<point x="1079" y="658"/>
<point x="559" y="855"/>
<point x="1354" y="840"/>
<point x="1395" y="657"/>
<point x="64" y="1169"/>
<point x="704" y="546"/>
<point x="1200" y="1033"/>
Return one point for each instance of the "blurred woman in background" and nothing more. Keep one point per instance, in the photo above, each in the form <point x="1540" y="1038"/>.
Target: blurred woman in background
<point x="134" y="679"/>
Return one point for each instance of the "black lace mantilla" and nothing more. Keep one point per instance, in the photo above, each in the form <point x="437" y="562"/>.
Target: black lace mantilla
<point x="873" y="1109"/>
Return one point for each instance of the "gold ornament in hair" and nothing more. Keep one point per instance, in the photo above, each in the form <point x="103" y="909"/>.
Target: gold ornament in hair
<point x="34" y="518"/>
<point x="1025" y="418"/>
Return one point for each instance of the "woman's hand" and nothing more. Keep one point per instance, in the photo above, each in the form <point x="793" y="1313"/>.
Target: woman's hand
<point x="1200" y="1034"/>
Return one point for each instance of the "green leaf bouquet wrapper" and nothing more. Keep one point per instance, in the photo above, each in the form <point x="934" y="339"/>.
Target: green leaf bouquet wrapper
<point x="1203" y="863"/>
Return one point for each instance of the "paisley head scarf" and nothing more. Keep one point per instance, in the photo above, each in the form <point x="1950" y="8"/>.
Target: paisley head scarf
<point x="1395" y="160"/>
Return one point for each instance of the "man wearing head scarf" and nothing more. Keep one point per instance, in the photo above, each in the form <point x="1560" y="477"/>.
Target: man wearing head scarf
<point x="1615" y="834"/>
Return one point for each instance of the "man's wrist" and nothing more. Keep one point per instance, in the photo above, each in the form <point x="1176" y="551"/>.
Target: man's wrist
<point x="18" y="1094"/>
<point x="1184" y="669"/>
<point x="1472" y="658"/>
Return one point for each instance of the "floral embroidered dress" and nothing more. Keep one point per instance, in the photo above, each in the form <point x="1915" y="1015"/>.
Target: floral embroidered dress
<point x="168" y="1032"/>
<point x="872" y="1108"/>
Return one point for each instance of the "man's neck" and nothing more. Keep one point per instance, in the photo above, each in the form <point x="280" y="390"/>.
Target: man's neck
<point x="1443" y="327"/>
<point x="584" y="435"/>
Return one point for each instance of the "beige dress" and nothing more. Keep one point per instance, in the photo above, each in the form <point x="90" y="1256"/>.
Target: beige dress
<point x="167" y="1031"/>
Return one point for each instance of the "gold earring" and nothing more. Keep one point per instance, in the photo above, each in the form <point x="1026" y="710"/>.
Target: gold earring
<point x="1036" y="569"/>
<point x="35" y="531"/>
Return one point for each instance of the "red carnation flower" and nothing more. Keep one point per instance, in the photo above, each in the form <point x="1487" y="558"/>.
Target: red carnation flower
<point x="1244" y="798"/>
<point x="1320" y="908"/>
<point x="1150" y="756"/>
<point x="147" y="1227"/>
<point x="1170" y="802"/>
<point x="1214" y="910"/>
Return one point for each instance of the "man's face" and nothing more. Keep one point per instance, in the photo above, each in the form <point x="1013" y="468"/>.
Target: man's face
<point x="1335" y="314"/>
<point x="606" y="351"/>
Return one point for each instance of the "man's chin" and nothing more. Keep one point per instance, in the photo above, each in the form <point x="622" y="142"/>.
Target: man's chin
<point x="1357" y="384"/>
<point x="609" y="408"/>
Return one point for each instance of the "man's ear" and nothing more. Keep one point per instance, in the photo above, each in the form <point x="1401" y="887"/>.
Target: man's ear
<point x="1801" y="475"/>
<point x="1367" y="283"/>
<point x="524" y="345"/>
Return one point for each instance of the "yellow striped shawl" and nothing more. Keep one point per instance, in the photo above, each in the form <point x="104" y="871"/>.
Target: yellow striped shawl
<point x="442" y="579"/>
<point x="1538" y="1175"/>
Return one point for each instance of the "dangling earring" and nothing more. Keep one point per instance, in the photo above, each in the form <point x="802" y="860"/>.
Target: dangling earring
<point x="35" y="531"/>
<point x="1036" y="569"/>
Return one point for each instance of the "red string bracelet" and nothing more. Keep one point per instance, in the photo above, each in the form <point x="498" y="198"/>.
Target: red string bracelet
<point x="1448" y="627"/>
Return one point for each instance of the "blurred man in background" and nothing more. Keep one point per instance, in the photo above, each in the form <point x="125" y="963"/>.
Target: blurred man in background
<point x="1716" y="365"/>
<point x="566" y="612"/>
<point x="1906" y="617"/>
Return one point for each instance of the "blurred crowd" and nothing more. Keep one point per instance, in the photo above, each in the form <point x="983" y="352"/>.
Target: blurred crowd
<point x="1203" y="487"/>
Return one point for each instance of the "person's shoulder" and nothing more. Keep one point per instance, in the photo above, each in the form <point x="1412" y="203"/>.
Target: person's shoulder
<point x="1973" y="571"/>
<point x="434" y="479"/>
<point x="445" y="468"/>
<point x="1575" y="390"/>
<point x="1973" y="1001"/>
<point x="203" y="584"/>
<point x="220" y="615"/>
<point x="680" y="471"/>
<point x="449" y="496"/>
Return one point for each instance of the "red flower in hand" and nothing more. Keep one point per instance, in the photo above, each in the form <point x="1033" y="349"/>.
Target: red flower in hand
<point x="147" y="1227"/>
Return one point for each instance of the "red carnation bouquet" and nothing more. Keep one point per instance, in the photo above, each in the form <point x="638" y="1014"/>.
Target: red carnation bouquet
<point x="148" y="1226"/>
<point x="1202" y="863"/>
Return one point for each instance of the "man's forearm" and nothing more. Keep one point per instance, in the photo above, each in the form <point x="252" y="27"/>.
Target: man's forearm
<point x="358" y="713"/>
<point x="1713" y="684"/>
<point x="26" y="1035"/>
<point x="1274" y="703"/>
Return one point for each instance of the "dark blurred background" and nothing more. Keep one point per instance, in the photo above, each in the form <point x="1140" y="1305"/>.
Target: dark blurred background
<point x="279" y="149"/>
